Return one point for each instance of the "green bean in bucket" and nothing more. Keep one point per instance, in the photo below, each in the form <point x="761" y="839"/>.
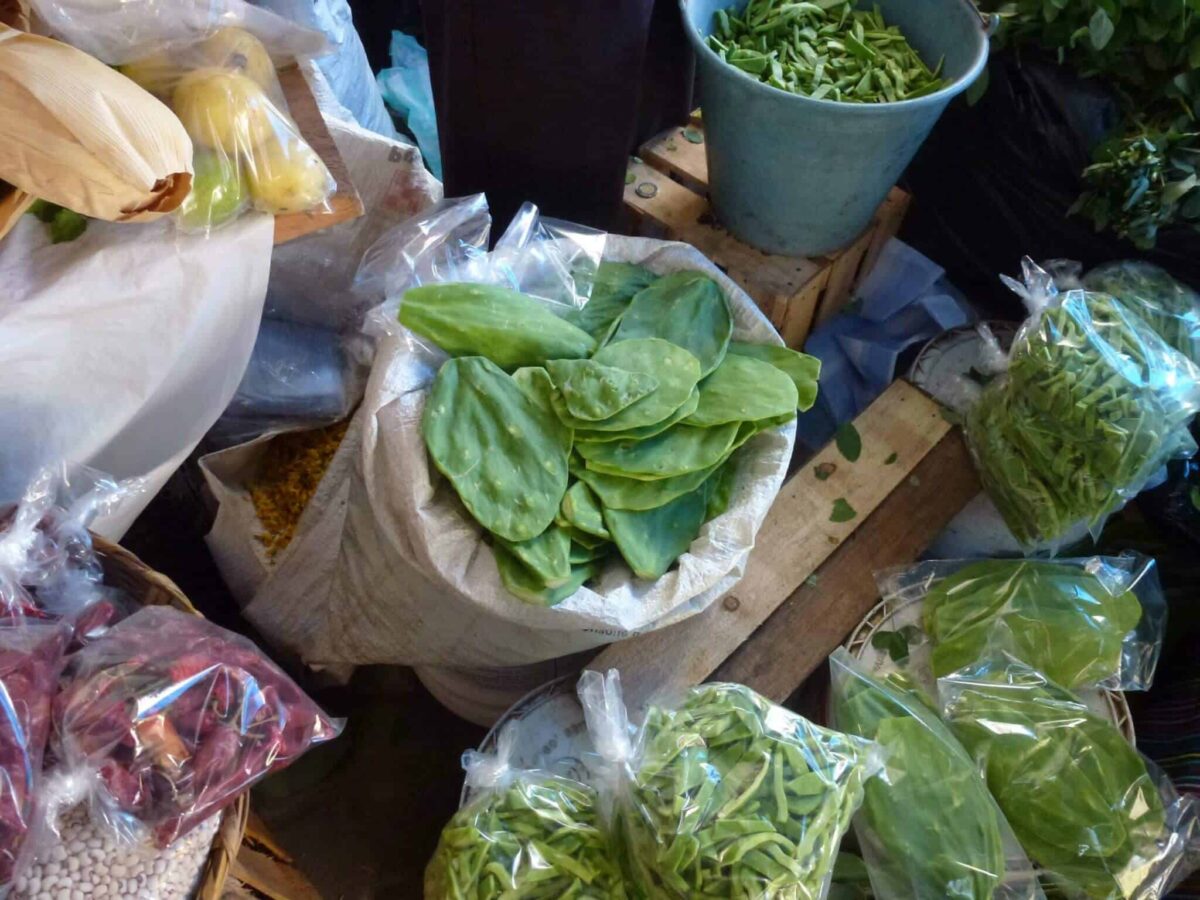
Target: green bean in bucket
<point x="824" y="50"/>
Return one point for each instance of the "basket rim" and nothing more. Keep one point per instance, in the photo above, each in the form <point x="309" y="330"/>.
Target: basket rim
<point x="232" y="831"/>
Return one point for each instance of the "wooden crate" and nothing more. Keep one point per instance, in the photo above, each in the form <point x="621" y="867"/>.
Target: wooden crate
<point x="809" y="579"/>
<point x="665" y="189"/>
<point x="345" y="204"/>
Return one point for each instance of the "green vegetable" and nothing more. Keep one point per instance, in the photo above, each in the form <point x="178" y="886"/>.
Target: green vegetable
<point x="742" y="389"/>
<point x="547" y="556"/>
<point x="1057" y="617"/>
<point x="927" y="827"/>
<point x="720" y="489"/>
<point x="686" y="308"/>
<point x="804" y="370"/>
<point x="594" y="392"/>
<point x="651" y="540"/>
<point x="614" y="287"/>
<point x="581" y="509"/>
<point x="506" y="457"/>
<point x="62" y="225"/>
<point x="523" y="583"/>
<point x="677" y="451"/>
<point x="1171" y="308"/>
<point x="634" y="494"/>
<point x="538" y="839"/>
<point x="505" y="326"/>
<point x="735" y="797"/>
<point x="825" y="50"/>
<point x="1077" y="795"/>
<point x="643" y="432"/>
<point x="1085" y="414"/>
<point x="677" y="372"/>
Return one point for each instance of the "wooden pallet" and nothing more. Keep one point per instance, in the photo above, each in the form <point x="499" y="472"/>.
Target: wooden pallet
<point x="809" y="581"/>
<point x="345" y="204"/>
<point x="666" y="191"/>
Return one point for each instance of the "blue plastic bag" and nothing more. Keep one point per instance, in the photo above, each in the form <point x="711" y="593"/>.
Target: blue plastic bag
<point x="407" y="89"/>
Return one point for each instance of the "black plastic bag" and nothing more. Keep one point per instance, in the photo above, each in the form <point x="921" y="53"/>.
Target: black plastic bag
<point x="996" y="180"/>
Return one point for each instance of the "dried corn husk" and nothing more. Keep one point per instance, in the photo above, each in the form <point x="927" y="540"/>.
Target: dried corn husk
<point x="81" y="135"/>
<point x="13" y="204"/>
<point x="15" y="13"/>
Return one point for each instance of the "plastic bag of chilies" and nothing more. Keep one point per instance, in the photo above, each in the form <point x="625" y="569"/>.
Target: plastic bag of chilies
<point x="1092" y="403"/>
<point x="1087" y="623"/>
<point x="523" y="833"/>
<point x="248" y="150"/>
<point x="725" y="794"/>
<point x="1099" y="820"/>
<point x="31" y="656"/>
<point x="166" y="719"/>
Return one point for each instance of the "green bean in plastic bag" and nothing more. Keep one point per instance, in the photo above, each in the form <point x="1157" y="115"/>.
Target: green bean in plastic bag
<point x="1170" y="307"/>
<point x="523" y="835"/>
<point x="928" y="826"/>
<point x="1092" y="403"/>
<point x="727" y="795"/>
<point x="1099" y="820"/>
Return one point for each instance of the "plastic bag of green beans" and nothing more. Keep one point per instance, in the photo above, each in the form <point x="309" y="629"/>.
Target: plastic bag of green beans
<point x="1169" y="306"/>
<point x="725" y="794"/>
<point x="522" y="835"/>
<point x="1092" y="403"/>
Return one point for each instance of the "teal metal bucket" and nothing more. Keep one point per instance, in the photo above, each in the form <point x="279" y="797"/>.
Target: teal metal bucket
<point x="803" y="177"/>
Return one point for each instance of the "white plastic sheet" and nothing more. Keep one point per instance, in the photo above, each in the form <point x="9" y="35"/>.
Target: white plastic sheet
<point x="120" y="349"/>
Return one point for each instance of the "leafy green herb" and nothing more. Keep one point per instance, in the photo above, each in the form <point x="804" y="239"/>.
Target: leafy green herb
<point x="825" y="50"/>
<point x="891" y="459"/>
<point x="842" y="511"/>
<point x="736" y="797"/>
<point x="849" y="441"/>
<point x="824" y="470"/>
<point x="893" y="643"/>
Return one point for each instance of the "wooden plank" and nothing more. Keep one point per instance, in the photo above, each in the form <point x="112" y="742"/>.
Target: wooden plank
<point x="820" y="614"/>
<point x="345" y="204"/>
<point x="673" y="153"/>
<point x="795" y="539"/>
<point x="888" y="220"/>
<point x="843" y="275"/>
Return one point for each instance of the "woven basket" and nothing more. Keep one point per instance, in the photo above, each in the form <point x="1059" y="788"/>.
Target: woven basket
<point x="150" y="588"/>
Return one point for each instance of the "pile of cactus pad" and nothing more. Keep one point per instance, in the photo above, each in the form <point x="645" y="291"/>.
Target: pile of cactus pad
<point x="612" y="428"/>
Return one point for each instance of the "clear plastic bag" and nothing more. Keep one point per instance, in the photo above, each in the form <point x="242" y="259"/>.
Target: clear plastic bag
<point x="554" y="261"/>
<point x="1089" y="622"/>
<point x="928" y="826"/>
<point x="31" y="655"/>
<point x="165" y="719"/>
<point x="1170" y="307"/>
<point x="1092" y="404"/>
<point x="248" y="150"/>
<point x="726" y="794"/>
<point x="1097" y="818"/>
<point x="48" y="567"/>
<point x="523" y="833"/>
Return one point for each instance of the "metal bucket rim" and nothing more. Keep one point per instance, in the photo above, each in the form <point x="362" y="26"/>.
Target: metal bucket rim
<point x="947" y="93"/>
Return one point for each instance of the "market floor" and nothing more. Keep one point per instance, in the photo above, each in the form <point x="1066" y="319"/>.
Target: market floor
<point x="360" y="816"/>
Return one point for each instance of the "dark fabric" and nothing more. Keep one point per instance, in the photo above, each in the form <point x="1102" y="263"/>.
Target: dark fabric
<point x="377" y="19"/>
<point x="539" y="99"/>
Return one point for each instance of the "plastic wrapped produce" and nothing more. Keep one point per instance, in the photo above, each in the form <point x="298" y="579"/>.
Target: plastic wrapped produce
<point x="31" y="656"/>
<point x="1093" y="622"/>
<point x="726" y="794"/>
<point x="1092" y="403"/>
<point x="1090" y="811"/>
<point x="523" y="834"/>
<point x="1170" y="306"/>
<point x="928" y="826"/>
<point x="166" y="719"/>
